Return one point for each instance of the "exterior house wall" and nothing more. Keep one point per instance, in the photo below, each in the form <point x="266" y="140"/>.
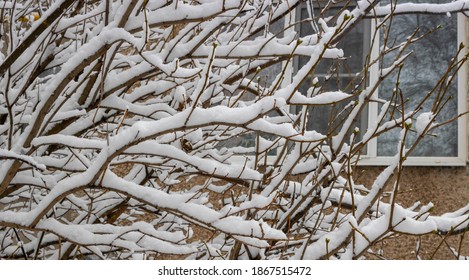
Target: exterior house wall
<point x="446" y="187"/>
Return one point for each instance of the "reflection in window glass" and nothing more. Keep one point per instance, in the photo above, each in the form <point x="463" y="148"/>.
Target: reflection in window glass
<point x="266" y="78"/>
<point x="335" y="74"/>
<point x="420" y="73"/>
<point x="268" y="75"/>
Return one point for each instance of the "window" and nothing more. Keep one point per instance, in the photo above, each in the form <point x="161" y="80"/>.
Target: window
<point x="332" y="75"/>
<point x="447" y="145"/>
<point x="431" y="55"/>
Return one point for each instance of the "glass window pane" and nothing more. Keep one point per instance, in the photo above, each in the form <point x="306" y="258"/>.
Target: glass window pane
<point x="266" y="78"/>
<point x="269" y="74"/>
<point x="334" y="74"/>
<point x="421" y="72"/>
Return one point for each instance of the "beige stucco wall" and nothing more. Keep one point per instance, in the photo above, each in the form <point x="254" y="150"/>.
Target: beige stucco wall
<point x="446" y="187"/>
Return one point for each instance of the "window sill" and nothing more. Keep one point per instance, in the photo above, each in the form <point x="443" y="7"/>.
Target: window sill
<point x="414" y="161"/>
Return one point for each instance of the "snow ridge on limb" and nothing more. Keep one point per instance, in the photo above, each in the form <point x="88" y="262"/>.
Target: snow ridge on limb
<point x="424" y="8"/>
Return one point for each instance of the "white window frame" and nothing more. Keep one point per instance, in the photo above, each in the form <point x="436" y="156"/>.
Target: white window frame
<point x="372" y="159"/>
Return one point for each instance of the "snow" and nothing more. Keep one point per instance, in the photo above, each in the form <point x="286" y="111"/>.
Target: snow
<point x="424" y="122"/>
<point x="70" y="141"/>
<point x="10" y="5"/>
<point x="118" y="236"/>
<point x="5" y="154"/>
<point x="441" y="8"/>
<point x="321" y="247"/>
<point x="328" y="97"/>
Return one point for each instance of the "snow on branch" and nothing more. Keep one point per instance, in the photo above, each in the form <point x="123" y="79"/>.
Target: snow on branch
<point x="421" y="8"/>
<point x="5" y="155"/>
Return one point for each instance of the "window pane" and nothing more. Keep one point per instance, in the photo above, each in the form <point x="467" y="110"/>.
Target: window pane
<point x="334" y="74"/>
<point x="419" y="75"/>
<point x="269" y="74"/>
<point x="353" y="45"/>
<point x="266" y="78"/>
